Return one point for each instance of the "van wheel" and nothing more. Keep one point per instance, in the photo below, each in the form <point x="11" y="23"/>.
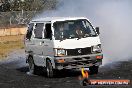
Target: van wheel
<point x="49" y="69"/>
<point x="32" y="66"/>
<point x="94" y="69"/>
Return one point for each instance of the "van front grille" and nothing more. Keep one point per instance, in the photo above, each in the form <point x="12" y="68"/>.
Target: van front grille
<point x="78" y="51"/>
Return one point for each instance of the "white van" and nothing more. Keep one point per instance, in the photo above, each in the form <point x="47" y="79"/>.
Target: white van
<point x="57" y="43"/>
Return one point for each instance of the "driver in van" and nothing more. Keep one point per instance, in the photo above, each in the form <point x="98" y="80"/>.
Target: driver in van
<point x="79" y="31"/>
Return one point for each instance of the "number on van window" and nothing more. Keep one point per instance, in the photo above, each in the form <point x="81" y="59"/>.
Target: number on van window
<point x="38" y="30"/>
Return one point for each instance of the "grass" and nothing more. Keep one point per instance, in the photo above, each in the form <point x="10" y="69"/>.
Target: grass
<point x="10" y="43"/>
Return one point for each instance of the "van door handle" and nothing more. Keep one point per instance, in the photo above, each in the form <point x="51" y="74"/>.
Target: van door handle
<point x="45" y="45"/>
<point x="42" y="41"/>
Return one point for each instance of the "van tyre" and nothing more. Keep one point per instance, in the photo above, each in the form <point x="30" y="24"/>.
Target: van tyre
<point x="32" y="66"/>
<point x="94" y="69"/>
<point x="49" y="69"/>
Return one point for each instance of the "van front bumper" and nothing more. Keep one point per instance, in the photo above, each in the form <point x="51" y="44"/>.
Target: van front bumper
<point x="77" y="62"/>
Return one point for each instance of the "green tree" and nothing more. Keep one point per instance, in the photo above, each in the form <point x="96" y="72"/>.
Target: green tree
<point x="28" y="5"/>
<point x="5" y="5"/>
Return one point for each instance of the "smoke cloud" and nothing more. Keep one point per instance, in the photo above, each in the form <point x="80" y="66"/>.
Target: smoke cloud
<point x="114" y="17"/>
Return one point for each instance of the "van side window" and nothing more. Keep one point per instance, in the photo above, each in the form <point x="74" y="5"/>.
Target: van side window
<point x="48" y="31"/>
<point x="29" y="31"/>
<point x="38" y="30"/>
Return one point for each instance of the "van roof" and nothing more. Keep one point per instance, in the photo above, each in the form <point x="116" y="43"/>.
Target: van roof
<point x="49" y="19"/>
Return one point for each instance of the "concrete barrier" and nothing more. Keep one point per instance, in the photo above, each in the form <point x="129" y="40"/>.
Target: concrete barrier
<point x="2" y="32"/>
<point x="12" y="31"/>
<point x="23" y="31"/>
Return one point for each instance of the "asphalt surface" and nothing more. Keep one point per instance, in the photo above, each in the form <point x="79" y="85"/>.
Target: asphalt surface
<point x="13" y="74"/>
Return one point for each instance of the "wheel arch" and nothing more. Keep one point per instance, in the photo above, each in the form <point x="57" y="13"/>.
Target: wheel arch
<point x="30" y="54"/>
<point x="51" y="60"/>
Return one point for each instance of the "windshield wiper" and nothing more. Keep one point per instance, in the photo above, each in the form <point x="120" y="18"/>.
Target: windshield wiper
<point x="61" y="39"/>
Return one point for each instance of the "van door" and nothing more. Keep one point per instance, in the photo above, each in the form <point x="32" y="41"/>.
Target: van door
<point x="48" y="42"/>
<point x="38" y="44"/>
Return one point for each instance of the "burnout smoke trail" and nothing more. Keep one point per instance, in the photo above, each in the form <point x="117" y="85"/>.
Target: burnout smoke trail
<point x="114" y="18"/>
<point x="16" y="58"/>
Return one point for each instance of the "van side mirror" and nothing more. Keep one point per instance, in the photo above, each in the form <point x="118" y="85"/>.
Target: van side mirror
<point x="97" y="30"/>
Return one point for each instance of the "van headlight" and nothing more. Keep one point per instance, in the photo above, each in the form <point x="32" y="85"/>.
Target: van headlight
<point x="60" y="52"/>
<point x="96" y="49"/>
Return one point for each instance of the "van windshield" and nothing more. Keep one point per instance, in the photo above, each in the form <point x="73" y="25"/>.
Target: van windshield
<point x="73" y="29"/>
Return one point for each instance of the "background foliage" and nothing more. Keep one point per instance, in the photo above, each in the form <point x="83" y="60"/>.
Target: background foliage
<point x="13" y="12"/>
